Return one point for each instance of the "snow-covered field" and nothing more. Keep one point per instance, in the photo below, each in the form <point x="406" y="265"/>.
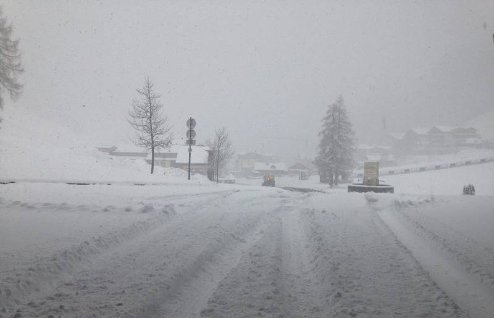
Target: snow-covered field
<point x="206" y="250"/>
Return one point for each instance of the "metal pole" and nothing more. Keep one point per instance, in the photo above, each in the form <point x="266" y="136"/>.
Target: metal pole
<point x="190" y="143"/>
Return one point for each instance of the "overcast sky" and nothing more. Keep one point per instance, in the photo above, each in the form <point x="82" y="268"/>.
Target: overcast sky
<point x="264" y="69"/>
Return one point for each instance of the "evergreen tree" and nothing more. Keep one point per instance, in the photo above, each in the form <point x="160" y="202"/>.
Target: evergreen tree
<point x="10" y="61"/>
<point x="335" y="158"/>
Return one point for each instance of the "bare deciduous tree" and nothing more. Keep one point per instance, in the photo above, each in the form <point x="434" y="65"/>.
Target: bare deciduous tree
<point x="10" y="61"/>
<point x="221" y="151"/>
<point x="153" y="131"/>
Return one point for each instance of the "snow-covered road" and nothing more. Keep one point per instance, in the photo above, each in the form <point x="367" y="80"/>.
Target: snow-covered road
<point x="233" y="251"/>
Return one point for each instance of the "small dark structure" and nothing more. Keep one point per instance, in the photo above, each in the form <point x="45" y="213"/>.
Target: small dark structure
<point x="469" y="189"/>
<point x="371" y="181"/>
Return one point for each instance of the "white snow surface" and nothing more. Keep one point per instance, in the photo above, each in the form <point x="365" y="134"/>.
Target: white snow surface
<point x="173" y="248"/>
<point x="207" y="250"/>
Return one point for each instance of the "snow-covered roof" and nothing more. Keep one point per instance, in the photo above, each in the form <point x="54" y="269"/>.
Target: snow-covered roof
<point x="420" y="130"/>
<point x="397" y="135"/>
<point x="369" y="147"/>
<point x="129" y="147"/>
<point x="163" y="155"/>
<point x="298" y="166"/>
<point x="279" y="166"/>
<point x="200" y="154"/>
<point x="444" y="128"/>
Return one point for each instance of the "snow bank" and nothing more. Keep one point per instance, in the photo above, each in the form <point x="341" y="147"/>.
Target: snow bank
<point x="43" y="152"/>
<point x="445" y="182"/>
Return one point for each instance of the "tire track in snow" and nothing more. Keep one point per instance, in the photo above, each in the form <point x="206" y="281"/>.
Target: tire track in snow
<point x="463" y="248"/>
<point x="209" y="269"/>
<point x="150" y="275"/>
<point x="303" y="295"/>
<point x="253" y="287"/>
<point x="364" y="270"/>
<point x="469" y="293"/>
<point x="48" y="273"/>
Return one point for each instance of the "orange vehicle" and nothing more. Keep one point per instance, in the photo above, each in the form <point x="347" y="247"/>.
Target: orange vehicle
<point x="268" y="181"/>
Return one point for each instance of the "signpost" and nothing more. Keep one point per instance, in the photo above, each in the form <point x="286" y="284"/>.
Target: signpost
<point x="191" y="134"/>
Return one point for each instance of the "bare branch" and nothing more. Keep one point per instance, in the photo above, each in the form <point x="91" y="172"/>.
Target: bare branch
<point x="152" y="129"/>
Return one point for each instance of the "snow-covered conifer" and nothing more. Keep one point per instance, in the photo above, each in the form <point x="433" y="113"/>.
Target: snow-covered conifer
<point x="335" y="158"/>
<point x="10" y="61"/>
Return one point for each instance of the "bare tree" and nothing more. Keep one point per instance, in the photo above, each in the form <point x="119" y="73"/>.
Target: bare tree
<point x="10" y="61"/>
<point x="221" y="151"/>
<point x="153" y="131"/>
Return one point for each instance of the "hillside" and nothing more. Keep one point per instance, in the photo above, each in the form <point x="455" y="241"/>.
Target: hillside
<point x="484" y="124"/>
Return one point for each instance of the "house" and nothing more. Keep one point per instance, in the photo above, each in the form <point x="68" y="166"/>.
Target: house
<point x="300" y="170"/>
<point x="275" y="169"/>
<point x="436" y="140"/>
<point x="380" y="153"/>
<point x="177" y="156"/>
<point x="200" y="158"/>
<point x="246" y="163"/>
<point x="163" y="159"/>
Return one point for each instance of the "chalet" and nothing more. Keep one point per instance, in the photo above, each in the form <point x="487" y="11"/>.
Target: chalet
<point x="436" y="140"/>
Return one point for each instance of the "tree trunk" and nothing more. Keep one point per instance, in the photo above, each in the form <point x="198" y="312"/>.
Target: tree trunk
<point x="330" y="178"/>
<point x="152" y="159"/>
<point x="217" y="170"/>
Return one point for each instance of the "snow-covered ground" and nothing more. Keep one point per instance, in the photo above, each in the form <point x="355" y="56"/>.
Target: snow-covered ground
<point x="173" y="248"/>
<point x="435" y="182"/>
<point x="206" y="250"/>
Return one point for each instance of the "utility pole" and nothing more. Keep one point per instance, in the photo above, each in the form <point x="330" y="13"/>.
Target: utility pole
<point x="191" y="133"/>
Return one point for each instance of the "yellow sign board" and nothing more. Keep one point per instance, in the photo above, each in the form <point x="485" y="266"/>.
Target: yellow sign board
<point x="371" y="173"/>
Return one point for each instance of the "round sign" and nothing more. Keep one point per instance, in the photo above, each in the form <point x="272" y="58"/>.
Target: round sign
<point x="191" y="134"/>
<point x="191" y="123"/>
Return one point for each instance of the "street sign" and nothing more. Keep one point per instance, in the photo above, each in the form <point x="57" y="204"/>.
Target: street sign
<point x="191" y="134"/>
<point x="191" y="123"/>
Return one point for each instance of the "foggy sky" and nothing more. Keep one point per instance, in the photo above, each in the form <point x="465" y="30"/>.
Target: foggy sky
<point x="264" y="69"/>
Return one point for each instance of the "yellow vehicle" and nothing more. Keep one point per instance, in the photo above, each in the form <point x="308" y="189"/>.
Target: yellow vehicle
<point x="268" y="181"/>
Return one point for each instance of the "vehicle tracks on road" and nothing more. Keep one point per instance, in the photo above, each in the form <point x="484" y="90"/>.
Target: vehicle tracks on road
<point x="469" y="284"/>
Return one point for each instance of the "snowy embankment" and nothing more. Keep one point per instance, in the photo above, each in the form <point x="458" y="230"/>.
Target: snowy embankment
<point x="445" y="182"/>
<point x="36" y="150"/>
<point x="452" y="238"/>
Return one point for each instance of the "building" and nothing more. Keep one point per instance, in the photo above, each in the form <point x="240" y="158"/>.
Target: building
<point x="275" y="169"/>
<point x="200" y="158"/>
<point x="435" y="140"/>
<point x="383" y="154"/>
<point x="177" y="156"/>
<point x="246" y="163"/>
